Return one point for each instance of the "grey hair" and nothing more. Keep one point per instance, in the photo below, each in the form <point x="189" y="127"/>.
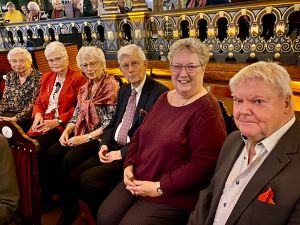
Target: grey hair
<point x="192" y="45"/>
<point x="271" y="73"/>
<point x="56" y="46"/>
<point x="91" y="52"/>
<point x="33" y="5"/>
<point x="19" y="50"/>
<point x="130" y="49"/>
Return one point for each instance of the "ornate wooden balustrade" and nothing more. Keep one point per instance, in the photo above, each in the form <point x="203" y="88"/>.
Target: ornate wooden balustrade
<point x="256" y="30"/>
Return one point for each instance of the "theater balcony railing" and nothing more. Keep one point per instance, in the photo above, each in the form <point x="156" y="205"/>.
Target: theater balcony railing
<point x="236" y="32"/>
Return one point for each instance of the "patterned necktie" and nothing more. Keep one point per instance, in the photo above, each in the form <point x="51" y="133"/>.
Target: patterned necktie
<point x="127" y="118"/>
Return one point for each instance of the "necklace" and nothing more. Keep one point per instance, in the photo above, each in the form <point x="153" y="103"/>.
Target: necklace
<point x="186" y="101"/>
<point x="183" y="104"/>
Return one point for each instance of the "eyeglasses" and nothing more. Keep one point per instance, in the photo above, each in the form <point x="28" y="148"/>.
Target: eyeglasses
<point x="16" y="61"/>
<point x="188" y="68"/>
<point x="58" y="59"/>
<point x="92" y="65"/>
<point x="133" y="65"/>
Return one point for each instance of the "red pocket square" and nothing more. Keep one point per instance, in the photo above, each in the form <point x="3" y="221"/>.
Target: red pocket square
<point x="267" y="196"/>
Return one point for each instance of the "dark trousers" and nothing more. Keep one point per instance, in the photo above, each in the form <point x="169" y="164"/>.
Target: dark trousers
<point x="61" y="164"/>
<point x="45" y="141"/>
<point x="123" y="208"/>
<point x="99" y="180"/>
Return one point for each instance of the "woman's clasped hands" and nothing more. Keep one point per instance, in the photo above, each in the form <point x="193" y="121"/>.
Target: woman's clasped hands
<point x="139" y="187"/>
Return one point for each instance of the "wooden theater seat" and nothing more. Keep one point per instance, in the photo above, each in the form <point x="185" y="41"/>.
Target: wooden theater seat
<point x="25" y="154"/>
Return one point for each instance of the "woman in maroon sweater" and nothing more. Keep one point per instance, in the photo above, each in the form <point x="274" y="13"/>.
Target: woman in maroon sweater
<point x="173" y="154"/>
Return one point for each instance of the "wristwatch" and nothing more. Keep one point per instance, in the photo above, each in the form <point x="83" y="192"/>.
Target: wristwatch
<point x="158" y="189"/>
<point x="90" y="137"/>
<point x="60" y="122"/>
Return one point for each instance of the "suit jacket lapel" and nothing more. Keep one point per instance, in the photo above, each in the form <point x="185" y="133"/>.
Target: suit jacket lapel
<point x="124" y="103"/>
<point x="231" y="154"/>
<point x="272" y="165"/>
<point x="142" y="101"/>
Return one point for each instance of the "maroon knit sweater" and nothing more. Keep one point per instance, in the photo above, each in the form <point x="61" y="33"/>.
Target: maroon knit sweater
<point x="179" y="147"/>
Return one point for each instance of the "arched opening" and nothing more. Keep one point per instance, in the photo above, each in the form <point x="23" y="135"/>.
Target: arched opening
<point x="20" y="37"/>
<point x="74" y="30"/>
<point x="168" y="30"/>
<point x="294" y="25"/>
<point x="10" y="37"/>
<point x="185" y="29"/>
<point x="268" y="25"/>
<point x="88" y="34"/>
<point x="153" y="30"/>
<point x="51" y="34"/>
<point x="202" y="29"/>
<point x="100" y="31"/>
<point x="29" y="34"/>
<point x="222" y="25"/>
<point x="40" y="33"/>
<point x="127" y="32"/>
<point x="244" y="27"/>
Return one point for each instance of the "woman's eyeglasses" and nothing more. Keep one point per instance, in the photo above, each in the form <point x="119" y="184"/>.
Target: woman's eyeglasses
<point x="188" y="68"/>
<point x="58" y="59"/>
<point x="92" y="65"/>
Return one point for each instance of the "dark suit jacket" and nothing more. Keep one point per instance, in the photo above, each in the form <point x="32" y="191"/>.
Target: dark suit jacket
<point x="280" y="171"/>
<point x="67" y="98"/>
<point x="150" y="92"/>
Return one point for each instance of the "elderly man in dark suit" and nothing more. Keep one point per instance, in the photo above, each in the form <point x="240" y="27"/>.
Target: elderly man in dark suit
<point x="9" y="192"/>
<point x="101" y="173"/>
<point x="257" y="175"/>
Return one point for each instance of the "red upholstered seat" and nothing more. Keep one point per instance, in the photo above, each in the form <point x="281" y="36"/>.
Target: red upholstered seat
<point x="25" y="154"/>
<point x="2" y="86"/>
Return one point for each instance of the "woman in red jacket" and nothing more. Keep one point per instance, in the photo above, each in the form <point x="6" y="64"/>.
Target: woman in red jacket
<point x="56" y="102"/>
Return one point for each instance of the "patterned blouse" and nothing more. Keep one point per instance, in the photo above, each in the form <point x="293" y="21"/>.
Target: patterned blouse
<point x="105" y="113"/>
<point x="20" y="98"/>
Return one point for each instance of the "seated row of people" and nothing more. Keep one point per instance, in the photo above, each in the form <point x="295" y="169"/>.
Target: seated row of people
<point x="167" y="142"/>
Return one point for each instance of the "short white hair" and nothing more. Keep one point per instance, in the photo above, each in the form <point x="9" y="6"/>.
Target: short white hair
<point x="21" y="51"/>
<point x="269" y="72"/>
<point x="91" y="52"/>
<point x="33" y="5"/>
<point x="129" y="50"/>
<point x="56" y="46"/>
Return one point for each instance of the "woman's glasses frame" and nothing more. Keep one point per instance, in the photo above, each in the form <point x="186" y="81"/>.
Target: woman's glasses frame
<point x="57" y="59"/>
<point x="176" y="68"/>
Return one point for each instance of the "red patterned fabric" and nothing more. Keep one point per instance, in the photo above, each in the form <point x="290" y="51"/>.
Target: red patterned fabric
<point x="105" y="94"/>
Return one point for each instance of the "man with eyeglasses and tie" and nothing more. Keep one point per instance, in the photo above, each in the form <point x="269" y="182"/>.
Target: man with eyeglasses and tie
<point x="135" y="99"/>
